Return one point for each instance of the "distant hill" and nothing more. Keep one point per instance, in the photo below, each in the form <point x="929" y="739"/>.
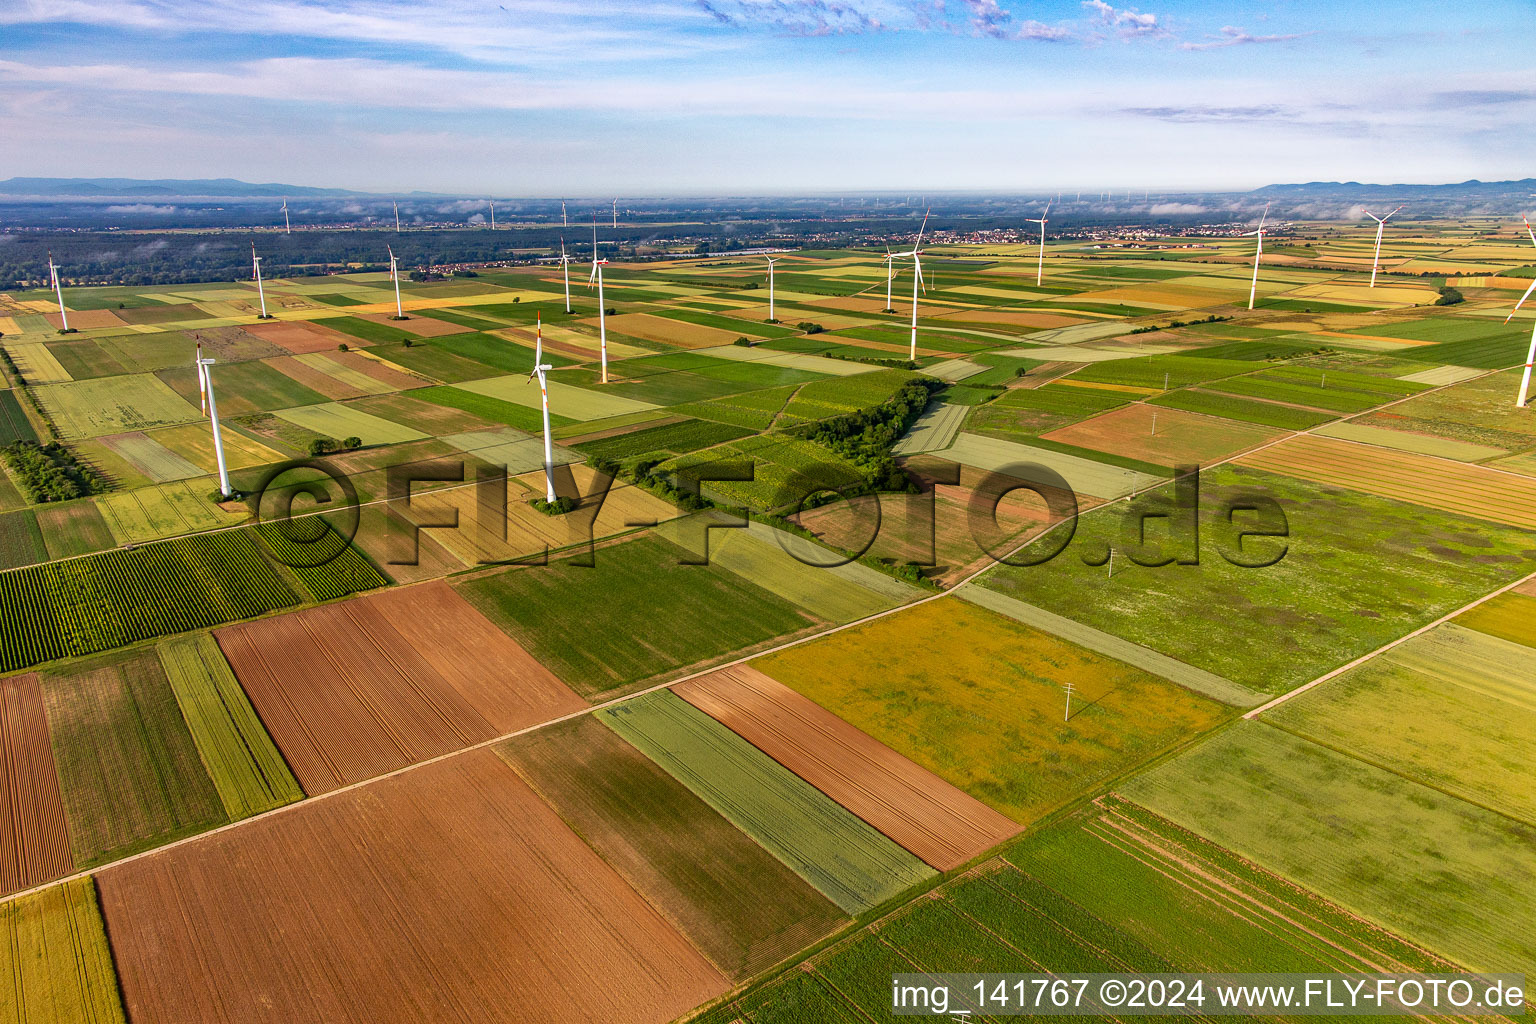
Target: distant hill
<point x="164" y="188"/>
<point x="1470" y="189"/>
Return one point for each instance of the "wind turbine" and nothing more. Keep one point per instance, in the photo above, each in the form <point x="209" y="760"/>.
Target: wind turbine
<point x="602" y="308"/>
<point x="397" y="215"/>
<point x="563" y="222"/>
<point x="211" y="407"/>
<point x="771" y="261"/>
<point x="565" y="265"/>
<point x="260" y="289"/>
<point x="540" y="368"/>
<point x="615" y="211"/>
<point x="890" y="275"/>
<point x="1381" y="223"/>
<point x="917" y="277"/>
<point x="493" y="214"/>
<point x="394" y="275"/>
<point x="1040" y="266"/>
<point x="58" y="289"/>
<point x="287" y="225"/>
<point x="1530" y="356"/>
<point x="1259" y="234"/>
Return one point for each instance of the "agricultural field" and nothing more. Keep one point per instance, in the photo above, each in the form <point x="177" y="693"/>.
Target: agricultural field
<point x="979" y="699"/>
<point x="579" y="620"/>
<point x="1361" y="837"/>
<point x="54" y="959"/>
<point x="360" y="688"/>
<point x="388" y="894"/>
<point x="849" y="862"/>
<point x="1345" y="553"/>
<point x="1167" y="437"/>
<point x="743" y="908"/>
<point x="1510" y="616"/>
<point x="34" y="845"/>
<point x="113" y="405"/>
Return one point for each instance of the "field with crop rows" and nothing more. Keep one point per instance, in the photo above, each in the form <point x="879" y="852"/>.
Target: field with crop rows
<point x="14" y="425"/>
<point x="34" y="839"/>
<point x="387" y="895"/>
<point x="849" y="862"/>
<point x="914" y="807"/>
<point x="1511" y="616"/>
<point x="671" y="439"/>
<point x="743" y="908"/>
<point x="1361" y="837"/>
<point x="55" y="967"/>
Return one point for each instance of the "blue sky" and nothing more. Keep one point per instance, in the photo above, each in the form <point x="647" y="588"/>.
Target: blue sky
<point x="650" y="97"/>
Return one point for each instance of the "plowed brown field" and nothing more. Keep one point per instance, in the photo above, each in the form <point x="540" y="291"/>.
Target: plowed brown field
<point x="911" y="805"/>
<point x="451" y="894"/>
<point x="86" y="319"/>
<point x="299" y="337"/>
<point x="353" y="690"/>
<point x="1419" y="479"/>
<point x="421" y="326"/>
<point x="34" y="841"/>
<point x="1168" y="437"/>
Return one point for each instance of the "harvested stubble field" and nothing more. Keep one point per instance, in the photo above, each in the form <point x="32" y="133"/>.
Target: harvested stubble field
<point x="55" y="967"/>
<point x="849" y="862"/>
<point x="1454" y="709"/>
<point x="977" y="699"/>
<point x="1361" y="837"/>
<point x="34" y="840"/>
<point x="113" y="405"/>
<point x="130" y="773"/>
<point x="426" y="898"/>
<point x="581" y="620"/>
<point x="1167" y="437"/>
<point x="914" y="807"/>
<point x="744" y="909"/>
<point x="1421" y="479"/>
<point x="1358" y="572"/>
<point x="357" y="689"/>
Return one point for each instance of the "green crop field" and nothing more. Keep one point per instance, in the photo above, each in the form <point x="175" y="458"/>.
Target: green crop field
<point x="1286" y="623"/>
<point x="755" y="410"/>
<point x="846" y="860"/>
<point x="241" y="759"/>
<point x="1275" y="390"/>
<point x="21" y="542"/>
<point x="979" y="700"/>
<point x="367" y="330"/>
<point x="73" y="528"/>
<point x="1454" y="709"/>
<point x="738" y="904"/>
<point x="111" y="405"/>
<point x="333" y="419"/>
<point x="757" y="554"/>
<point x="779" y="464"/>
<point x="670" y="439"/>
<point x="572" y="402"/>
<point x="1509" y="616"/>
<point x="823" y="398"/>
<point x="1480" y="411"/>
<point x="55" y="967"/>
<point x="492" y="410"/>
<point x="243" y="388"/>
<point x="129" y="772"/>
<point x="1028" y="412"/>
<point x="14" y="425"/>
<point x="582" y="621"/>
<point x="1361" y="837"/>
<point x="1246" y="410"/>
<point x="320" y="558"/>
<point x="1175" y="371"/>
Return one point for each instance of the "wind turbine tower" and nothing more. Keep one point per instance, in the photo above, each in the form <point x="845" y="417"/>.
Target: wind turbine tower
<point x="1040" y="265"/>
<point x="565" y="265"/>
<point x="602" y="308"/>
<point x="53" y="276"/>
<point x="394" y="275"/>
<point x="771" y="317"/>
<point x="1253" y="289"/>
<point x="397" y="215"/>
<point x="890" y="275"/>
<point x="615" y="212"/>
<point x="493" y="214"/>
<point x="205" y="385"/>
<point x="563" y="222"/>
<point x="540" y="368"/>
<point x="1530" y="356"/>
<point x="260" y="288"/>
<point x="287" y="225"/>
<point x="1381" y="224"/>
<point x="917" y="278"/>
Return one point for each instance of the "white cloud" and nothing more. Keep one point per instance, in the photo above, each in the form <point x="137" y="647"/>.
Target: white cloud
<point x="1234" y="36"/>
<point x="1127" y="22"/>
<point x="146" y="208"/>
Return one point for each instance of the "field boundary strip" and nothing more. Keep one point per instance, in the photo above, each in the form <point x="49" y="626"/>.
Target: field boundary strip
<point x="288" y="808"/>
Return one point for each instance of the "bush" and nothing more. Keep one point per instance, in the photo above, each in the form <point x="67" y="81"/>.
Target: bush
<point x="321" y="446"/>
<point x="743" y="342"/>
<point x="352" y="442"/>
<point x="342" y="347"/>
<point x="408" y="343"/>
<point x="559" y="507"/>
<point x="809" y="328"/>
<point x="1450" y="296"/>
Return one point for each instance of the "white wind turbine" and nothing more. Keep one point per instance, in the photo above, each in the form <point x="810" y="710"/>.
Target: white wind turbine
<point x="211" y="408"/>
<point x="58" y="289"/>
<point x="771" y="261"/>
<point x="394" y="275"/>
<point x="1259" y="234"/>
<point x="602" y="308"/>
<point x="615" y="212"/>
<point x="890" y="275"/>
<point x="565" y="265"/>
<point x="1040" y="265"/>
<point x="540" y="368"/>
<point x="917" y="277"/>
<point x="493" y="214"/>
<point x="1381" y="223"/>
<point x="287" y="225"/>
<point x="563" y="222"/>
<point x="1530" y="356"/>
<point x="396" y="205"/>
<point x="260" y="288"/>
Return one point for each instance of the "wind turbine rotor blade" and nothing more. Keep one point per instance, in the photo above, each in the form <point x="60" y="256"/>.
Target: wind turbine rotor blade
<point x="922" y="229"/>
<point x="1521" y="302"/>
<point x="1527" y="231"/>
